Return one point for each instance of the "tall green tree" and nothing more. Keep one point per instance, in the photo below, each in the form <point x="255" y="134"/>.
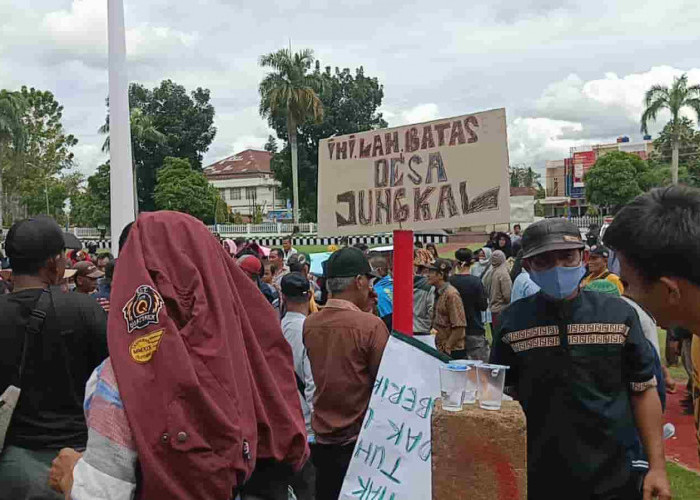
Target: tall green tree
<point x="186" y="190"/>
<point x="350" y="102"/>
<point x="616" y="179"/>
<point x="47" y="155"/>
<point x="185" y="120"/>
<point x="673" y="99"/>
<point x="290" y="90"/>
<point x="12" y="134"/>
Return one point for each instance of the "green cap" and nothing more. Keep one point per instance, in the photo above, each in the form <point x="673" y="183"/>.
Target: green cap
<point x="348" y="262"/>
<point x="603" y="286"/>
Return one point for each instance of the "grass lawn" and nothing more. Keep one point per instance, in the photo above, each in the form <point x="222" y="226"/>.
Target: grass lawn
<point x="685" y="484"/>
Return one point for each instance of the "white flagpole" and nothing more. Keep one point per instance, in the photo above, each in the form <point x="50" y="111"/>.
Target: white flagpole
<point x="121" y="173"/>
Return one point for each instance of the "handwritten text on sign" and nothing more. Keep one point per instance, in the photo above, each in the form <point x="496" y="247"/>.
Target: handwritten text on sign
<point x="442" y="174"/>
<point x="391" y="460"/>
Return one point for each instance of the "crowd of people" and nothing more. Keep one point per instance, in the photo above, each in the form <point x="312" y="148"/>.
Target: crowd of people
<point x="195" y="367"/>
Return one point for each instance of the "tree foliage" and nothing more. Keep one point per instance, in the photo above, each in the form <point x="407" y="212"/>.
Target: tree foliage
<point x="350" y="103"/>
<point x="184" y="189"/>
<point x="91" y="207"/>
<point x="617" y="178"/>
<point x="522" y="176"/>
<point x="169" y="123"/>
<point x="673" y="99"/>
<point x="12" y="136"/>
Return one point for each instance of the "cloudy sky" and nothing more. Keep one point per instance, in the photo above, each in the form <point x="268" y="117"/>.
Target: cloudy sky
<point x="569" y="72"/>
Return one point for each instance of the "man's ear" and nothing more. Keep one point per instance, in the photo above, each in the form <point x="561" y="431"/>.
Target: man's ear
<point x="673" y="289"/>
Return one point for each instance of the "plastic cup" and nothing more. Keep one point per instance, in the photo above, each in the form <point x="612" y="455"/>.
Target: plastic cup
<point x="472" y="386"/>
<point x="453" y="380"/>
<point x="491" y="378"/>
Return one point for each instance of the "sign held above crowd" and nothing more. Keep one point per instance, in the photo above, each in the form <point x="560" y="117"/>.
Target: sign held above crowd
<point x="442" y="174"/>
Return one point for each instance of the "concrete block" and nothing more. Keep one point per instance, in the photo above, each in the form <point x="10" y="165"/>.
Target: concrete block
<point x="479" y="454"/>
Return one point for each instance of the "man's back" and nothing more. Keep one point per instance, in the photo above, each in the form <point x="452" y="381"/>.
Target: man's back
<point x="474" y="300"/>
<point x="345" y="347"/>
<point x="59" y="362"/>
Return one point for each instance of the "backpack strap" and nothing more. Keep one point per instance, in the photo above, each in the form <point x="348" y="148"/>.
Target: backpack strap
<point x="35" y="324"/>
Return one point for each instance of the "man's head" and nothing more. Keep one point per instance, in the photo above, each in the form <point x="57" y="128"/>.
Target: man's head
<point x="298" y="263"/>
<point x="102" y="261"/>
<point x="516" y="229"/>
<point x="657" y="240"/>
<point x="296" y="291"/>
<point x="380" y="264"/>
<point x="35" y="248"/>
<point x="362" y="246"/>
<point x="276" y="257"/>
<point x="439" y="272"/>
<point x="86" y="276"/>
<point x="287" y="244"/>
<point x="251" y="265"/>
<point x="268" y="272"/>
<point x="349" y="276"/>
<point x="598" y="260"/>
<point x="553" y="254"/>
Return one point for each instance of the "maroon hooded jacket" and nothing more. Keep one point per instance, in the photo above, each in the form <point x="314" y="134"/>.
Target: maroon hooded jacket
<point x="203" y="369"/>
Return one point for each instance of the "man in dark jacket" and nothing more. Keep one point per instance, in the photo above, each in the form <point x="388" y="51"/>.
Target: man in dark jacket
<point x="584" y="374"/>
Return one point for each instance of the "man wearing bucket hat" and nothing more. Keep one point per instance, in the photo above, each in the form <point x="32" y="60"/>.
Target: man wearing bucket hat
<point x="583" y="371"/>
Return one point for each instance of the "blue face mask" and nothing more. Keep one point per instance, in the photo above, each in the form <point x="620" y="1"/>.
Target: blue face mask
<point x="559" y="282"/>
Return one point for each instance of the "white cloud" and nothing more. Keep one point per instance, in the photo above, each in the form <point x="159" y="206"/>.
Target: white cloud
<point x="417" y="114"/>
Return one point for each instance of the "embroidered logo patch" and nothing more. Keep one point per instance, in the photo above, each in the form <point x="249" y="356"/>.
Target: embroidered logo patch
<point x="143" y="308"/>
<point x="143" y="348"/>
<point x="571" y="239"/>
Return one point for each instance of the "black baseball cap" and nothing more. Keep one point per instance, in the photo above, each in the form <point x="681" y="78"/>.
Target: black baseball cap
<point x="600" y="251"/>
<point x="551" y="234"/>
<point x="295" y="285"/>
<point x="348" y="262"/>
<point x="441" y="265"/>
<point x="35" y="239"/>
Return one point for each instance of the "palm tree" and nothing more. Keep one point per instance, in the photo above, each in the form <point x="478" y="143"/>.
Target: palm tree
<point x="674" y="99"/>
<point x="142" y="130"/>
<point x="290" y="91"/>
<point x="12" y="131"/>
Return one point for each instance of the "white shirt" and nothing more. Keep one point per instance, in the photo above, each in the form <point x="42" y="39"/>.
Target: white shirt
<point x="293" y="330"/>
<point x="286" y="255"/>
<point x="648" y="325"/>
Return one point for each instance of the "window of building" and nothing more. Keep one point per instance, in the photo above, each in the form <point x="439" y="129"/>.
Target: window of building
<point x="234" y="193"/>
<point x="250" y="193"/>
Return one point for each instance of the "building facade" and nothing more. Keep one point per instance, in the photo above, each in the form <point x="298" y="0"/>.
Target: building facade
<point x="566" y="189"/>
<point x="247" y="185"/>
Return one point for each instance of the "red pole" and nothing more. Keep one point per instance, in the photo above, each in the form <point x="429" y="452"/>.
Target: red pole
<point x="403" y="282"/>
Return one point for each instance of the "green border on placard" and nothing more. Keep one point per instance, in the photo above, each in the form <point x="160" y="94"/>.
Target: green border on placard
<point x="421" y="346"/>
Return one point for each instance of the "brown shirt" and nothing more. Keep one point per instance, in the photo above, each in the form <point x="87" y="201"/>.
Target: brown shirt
<point x="449" y="320"/>
<point x="345" y="347"/>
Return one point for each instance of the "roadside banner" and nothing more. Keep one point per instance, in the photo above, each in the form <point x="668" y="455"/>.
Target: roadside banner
<point x="441" y="174"/>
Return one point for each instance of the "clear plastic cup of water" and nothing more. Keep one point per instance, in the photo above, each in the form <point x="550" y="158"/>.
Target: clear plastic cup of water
<point x="492" y="379"/>
<point x="453" y="380"/>
<point x="471" y="389"/>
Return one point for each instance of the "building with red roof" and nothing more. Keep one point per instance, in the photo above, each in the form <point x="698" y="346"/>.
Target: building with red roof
<point x="245" y="182"/>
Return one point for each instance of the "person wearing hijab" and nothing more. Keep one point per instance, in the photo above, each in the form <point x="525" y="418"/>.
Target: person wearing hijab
<point x="483" y="262"/>
<point x="501" y="286"/>
<point x="486" y="278"/>
<point x="503" y="244"/>
<point x="198" y="399"/>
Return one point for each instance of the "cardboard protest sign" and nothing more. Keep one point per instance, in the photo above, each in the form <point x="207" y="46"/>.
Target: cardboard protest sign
<point x="441" y="174"/>
<point x="392" y="455"/>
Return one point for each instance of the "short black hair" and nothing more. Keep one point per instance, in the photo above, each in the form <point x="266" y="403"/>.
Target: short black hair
<point x="280" y="252"/>
<point x="124" y="236"/>
<point x="361" y="246"/>
<point x="518" y="226"/>
<point x="27" y="267"/>
<point x="105" y="255"/>
<point x="659" y="233"/>
<point x="240" y="242"/>
<point x="286" y="238"/>
<point x="464" y="255"/>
